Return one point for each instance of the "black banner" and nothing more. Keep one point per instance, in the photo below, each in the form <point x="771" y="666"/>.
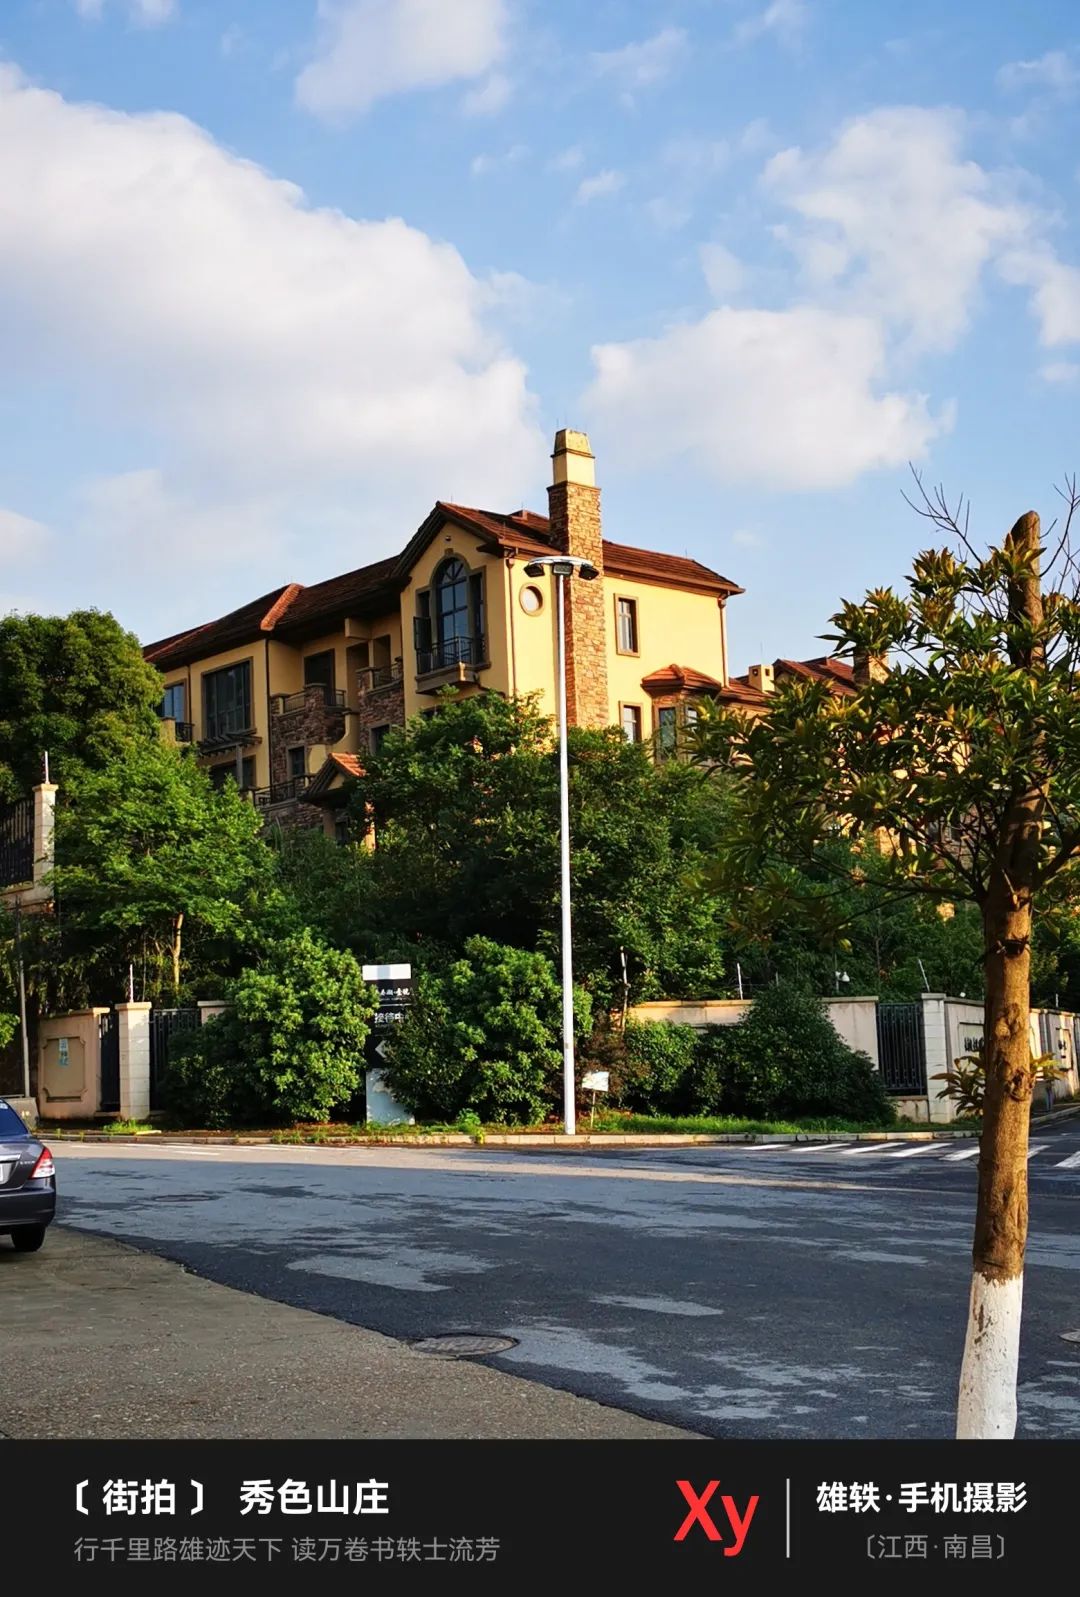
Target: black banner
<point x="439" y="1515"/>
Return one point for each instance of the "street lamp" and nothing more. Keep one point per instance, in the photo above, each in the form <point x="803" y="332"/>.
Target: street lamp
<point x="562" y="568"/>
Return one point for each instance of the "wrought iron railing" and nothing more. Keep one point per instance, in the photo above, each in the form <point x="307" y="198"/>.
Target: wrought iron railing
<point x="17" y="842"/>
<point x="374" y="677"/>
<point x="280" y="792"/>
<point x="454" y="651"/>
<point x="185" y="732"/>
<point x="315" y="692"/>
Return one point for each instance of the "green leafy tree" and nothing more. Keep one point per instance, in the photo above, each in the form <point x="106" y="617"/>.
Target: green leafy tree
<point x="74" y="686"/>
<point x="484" y="1037"/>
<point x="964" y="759"/>
<point x="291" y="1047"/>
<point x="151" y="854"/>
<point x="465" y="808"/>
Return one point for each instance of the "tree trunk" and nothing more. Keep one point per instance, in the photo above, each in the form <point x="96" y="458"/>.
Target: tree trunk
<point x="178" y="927"/>
<point x="987" y="1402"/>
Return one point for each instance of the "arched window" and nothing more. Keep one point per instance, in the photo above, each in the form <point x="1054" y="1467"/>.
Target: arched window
<point x="452" y="602"/>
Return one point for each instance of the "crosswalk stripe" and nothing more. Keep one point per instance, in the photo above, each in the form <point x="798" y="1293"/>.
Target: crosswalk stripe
<point x="823" y="1147"/>
<point x="963" y="1153"/>
<point x="765" y="1147"/>
<point x="869" y="1147"/>
<point x="1071" y="1163"/>
<point x="910" y="1153"/>
<point x="1037" y="1147"/>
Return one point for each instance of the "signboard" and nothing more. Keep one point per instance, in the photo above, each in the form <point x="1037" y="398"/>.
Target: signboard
<point x="394" y="984"/>
<point x="595" y="1080"/>
<point x="63" y="1052"/>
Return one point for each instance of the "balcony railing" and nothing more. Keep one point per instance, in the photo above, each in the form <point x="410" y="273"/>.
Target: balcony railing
<point x="374" y="677"/>
<point x="315" y="693"/>
<point x="454" y="651"/>
<point x="185" y="732"/>
<point x="226" y="734"/>
<point x="280" y="792"/>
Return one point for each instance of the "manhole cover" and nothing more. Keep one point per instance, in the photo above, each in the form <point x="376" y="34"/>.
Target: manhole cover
<point x="464" y="1347"/>
<point x="1070" y="1336"/>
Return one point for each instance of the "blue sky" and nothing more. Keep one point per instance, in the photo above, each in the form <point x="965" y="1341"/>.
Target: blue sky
<point x="277" y="274"/>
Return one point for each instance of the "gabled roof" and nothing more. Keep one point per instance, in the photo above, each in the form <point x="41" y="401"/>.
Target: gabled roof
<point x="294" y="610"/>
<point x="336" y="768"/>
<point x="824" y="668"/>
<point x="680" y="678"/>
<point x="239" y="626"/>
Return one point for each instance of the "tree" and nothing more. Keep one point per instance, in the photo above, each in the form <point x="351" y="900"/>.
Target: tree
<point x="961" y="764"/>
<point x="465" y="808"/>
<point x="76" y="687"/>
<point x="483" y="1038"/>
<point x="152" y="854"/>
<point x="291" y="1046"/>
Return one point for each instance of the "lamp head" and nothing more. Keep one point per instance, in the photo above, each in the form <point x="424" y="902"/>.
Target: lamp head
<point x="534" y="569"/>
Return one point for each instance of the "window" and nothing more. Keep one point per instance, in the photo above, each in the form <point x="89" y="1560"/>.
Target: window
<point x="226" y="772"/>
<point x="227" y="701"/>
<point x="448" y="628"/>
<point x="319" y="672"/>
<point x="626" y="627"/>
<point x="690" y="716"/>
<point x="341" y="831"/>
<point x="452" y="603"/>
<point x="631" y="722"/>
<point x="531" y="601"/>
<point x="377" y="737"/>
<point x="10" y="1124"/>
<point x="667" y="729"/>
<point x="174" y="702"/>
<point x="297" y="762"/>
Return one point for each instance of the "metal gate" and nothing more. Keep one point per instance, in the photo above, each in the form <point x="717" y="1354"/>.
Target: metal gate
<point x="902" y="1048"/>
<point x="109" y="1040"/>
<point x="163" y="1022"/>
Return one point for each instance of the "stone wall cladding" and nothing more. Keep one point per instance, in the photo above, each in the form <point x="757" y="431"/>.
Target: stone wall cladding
<point x="312" y="722"/>
<point x="382" y="706"/>
<point x="574" y="509"/>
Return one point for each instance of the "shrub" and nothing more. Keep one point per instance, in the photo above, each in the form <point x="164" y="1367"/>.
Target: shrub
<point x="786" y="1061"/>
<point x="290" y="1048"/>
<point x="658" y="1062"/>
<point x="483" y="1037"/>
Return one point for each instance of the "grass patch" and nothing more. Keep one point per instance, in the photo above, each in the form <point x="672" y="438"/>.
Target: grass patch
<point x="129" y="1128"/>
<point x="714" y="1125"/>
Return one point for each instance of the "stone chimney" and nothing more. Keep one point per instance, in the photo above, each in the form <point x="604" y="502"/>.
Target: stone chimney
<point x="763" y="678"/>
<point x="867" y="668"/>
<point x="574" y="511"/>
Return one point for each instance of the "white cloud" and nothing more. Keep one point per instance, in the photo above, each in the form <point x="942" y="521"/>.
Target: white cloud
<point x="896" y="221"/>
<point x="144" y="13"/>
<point x="19" y="535"/>
<point x="482" y="164"/>
<point x="1055" y="290"/>
<point x="784" y="20"/>
<point x="595" y="188"/>
<point x="724" y="272"/>
<point x="567" y="160"/>
<point x="490" y="97"/>
<point x="267" y="352"/>
<point x="1056" y="72"/>
<point x="634" y="67"/>
<point x="788" y="398"/>
<point x="1059" y="371"/>
<point x="746" y="539"/>
<point x="370" y="49"/>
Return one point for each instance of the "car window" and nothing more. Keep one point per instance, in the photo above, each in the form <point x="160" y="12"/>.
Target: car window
<point x="10" y="1124"/>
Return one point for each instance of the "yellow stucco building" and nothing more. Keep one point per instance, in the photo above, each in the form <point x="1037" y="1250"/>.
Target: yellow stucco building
<point x="288" y="694"/>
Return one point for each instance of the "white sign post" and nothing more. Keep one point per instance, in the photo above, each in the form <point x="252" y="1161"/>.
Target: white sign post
<point x="595" y="1081"/>
<point x="395" y="988"/>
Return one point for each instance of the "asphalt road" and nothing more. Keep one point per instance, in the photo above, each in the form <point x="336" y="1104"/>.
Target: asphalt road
<point x="816" y="1290"/>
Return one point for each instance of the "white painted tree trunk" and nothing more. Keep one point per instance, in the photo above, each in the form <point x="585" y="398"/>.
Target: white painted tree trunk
<point x="987" y="1406"/>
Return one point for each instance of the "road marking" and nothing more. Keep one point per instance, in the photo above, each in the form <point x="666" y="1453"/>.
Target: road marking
<point x="871" y="1147"/>
<point x="964" y="1153"/>
<point x="823" y="1147"/>
<point x="1037" y="1147"/>
<point x="765" y="1147"/>
<point x="910" y="1153"/>
<point x="1071" y="1163"/>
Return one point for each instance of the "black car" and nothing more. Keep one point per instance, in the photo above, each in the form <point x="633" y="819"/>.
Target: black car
<point x="27" y="1183"/>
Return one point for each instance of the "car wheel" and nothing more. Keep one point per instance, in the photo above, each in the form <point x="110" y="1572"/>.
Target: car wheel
<point x="28" y="1238"/>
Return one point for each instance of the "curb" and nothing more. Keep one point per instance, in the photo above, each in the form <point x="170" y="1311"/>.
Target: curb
<point x="522" y="1142"/>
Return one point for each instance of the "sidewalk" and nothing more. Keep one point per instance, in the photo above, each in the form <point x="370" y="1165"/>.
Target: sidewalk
<point x="101" y="1340"/>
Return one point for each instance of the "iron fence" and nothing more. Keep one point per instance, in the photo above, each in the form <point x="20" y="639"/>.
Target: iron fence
<point x="901" y="1043"/>
<point x="163" y="1024"/>
<point x="17" y="843"/>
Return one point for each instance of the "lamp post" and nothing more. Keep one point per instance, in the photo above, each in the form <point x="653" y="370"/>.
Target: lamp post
<point x="563" y="568"/>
